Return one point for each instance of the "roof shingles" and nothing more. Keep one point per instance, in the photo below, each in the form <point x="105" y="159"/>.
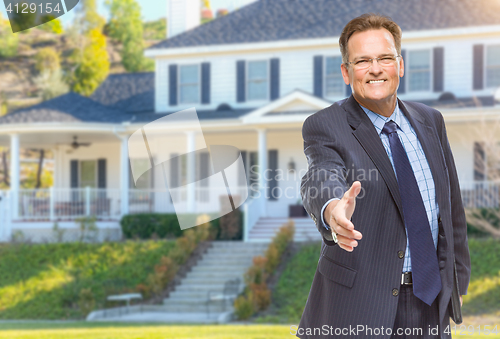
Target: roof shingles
<point x="273" y="20"/>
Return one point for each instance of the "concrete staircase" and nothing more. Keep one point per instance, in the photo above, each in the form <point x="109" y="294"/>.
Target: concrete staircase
<point x="265" y="229"/>
<point x="224" y="261"/>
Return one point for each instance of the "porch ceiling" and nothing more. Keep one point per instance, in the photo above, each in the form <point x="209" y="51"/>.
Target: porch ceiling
<point x="51" y="139"/>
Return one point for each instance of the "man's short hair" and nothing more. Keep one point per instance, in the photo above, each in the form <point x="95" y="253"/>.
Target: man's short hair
<point x="366" y="22"/>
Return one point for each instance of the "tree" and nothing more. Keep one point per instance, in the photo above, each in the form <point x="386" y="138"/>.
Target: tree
<point x="125" y="26"/>
<point x="54" y="26"/>
<point x="93" y="64"/>
<point x="47" y="59"/>
<point x="51" y="84"/>
<point x="8" y="40"/>
<point x="88" y="17"/>
<point x="90" y="60"/>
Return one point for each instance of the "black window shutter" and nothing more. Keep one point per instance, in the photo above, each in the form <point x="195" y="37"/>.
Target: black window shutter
<point x="438" y="69"/>
<point x="478" y="67"/>
<point x="205" y="83"/>
<point x="242" y="179"/>
<point x="74" y="173"/>
<point x="174" y="176"/>
<point x="131" y="182"/>
<point x="273" y="168"/>
<point x="174" y="170"/>
<point x="479" y="162"/>
<point x="402" y="85"/>
<point x="172" y="85"/>
<point x="275" y="78"/>
<point x="318" y="76"/>
<point x="240" y="81"/>
<point x="101" y="173"/>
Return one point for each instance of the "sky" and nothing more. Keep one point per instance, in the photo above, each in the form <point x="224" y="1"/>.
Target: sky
<point x="151" y="9"/>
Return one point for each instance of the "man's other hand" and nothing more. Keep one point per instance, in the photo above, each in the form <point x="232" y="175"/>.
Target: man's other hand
<point x="338" y="214"/>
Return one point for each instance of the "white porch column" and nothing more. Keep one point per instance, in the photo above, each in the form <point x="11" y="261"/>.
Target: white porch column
<point x="262" y="170"/>
<point x="14" y="174"/>
<point x="191" y="171"/>
<point x="124" y="175"/>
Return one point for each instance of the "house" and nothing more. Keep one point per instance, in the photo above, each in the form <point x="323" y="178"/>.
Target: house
<point x="253" y="77"/>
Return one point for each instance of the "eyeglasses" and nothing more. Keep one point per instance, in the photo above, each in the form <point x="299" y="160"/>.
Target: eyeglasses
<point x="384" y="61"/>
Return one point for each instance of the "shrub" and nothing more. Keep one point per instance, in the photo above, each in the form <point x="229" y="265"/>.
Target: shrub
<point x="144" y="225"/>
<point x="256" y="276"/>
<point x="86" y="301"/>
<point x="47" y="59"/>
<point x="8" y="40"/>
<point x="244" y="307"/>
<point x="261" y="296"/>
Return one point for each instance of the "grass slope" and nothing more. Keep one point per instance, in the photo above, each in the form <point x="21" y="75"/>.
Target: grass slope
<point x="45" y="281"/>
<point x="483" y="295"/>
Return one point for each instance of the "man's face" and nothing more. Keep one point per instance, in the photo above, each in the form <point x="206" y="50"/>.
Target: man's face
<point x="376" y="84"/>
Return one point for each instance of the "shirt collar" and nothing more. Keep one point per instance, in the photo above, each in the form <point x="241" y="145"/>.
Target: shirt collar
<point x="379" y="120"/>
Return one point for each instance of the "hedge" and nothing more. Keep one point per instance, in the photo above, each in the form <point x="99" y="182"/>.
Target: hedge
<point x="150" y="225"/>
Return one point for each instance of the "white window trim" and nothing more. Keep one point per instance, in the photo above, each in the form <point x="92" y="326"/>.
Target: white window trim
<point x="407" y="76"/>
<point x="324" y="78"/>
<point x="80" y="161"/>
<point x="198" y="99"/>
<point x="485" y="67"/>
<point x="247" y="80"/>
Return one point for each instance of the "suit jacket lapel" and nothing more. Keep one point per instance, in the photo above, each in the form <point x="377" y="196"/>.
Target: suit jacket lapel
<point x="431" y="147"/>
<point x="366" y="134"/>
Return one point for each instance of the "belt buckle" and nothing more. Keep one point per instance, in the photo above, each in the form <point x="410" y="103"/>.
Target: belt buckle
<point x="408" y="280"/>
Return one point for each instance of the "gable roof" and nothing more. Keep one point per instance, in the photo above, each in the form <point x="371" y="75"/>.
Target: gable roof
<point x="129" y="92"/>
<point x="70" y="107"/>
<point x="272" y="20"/>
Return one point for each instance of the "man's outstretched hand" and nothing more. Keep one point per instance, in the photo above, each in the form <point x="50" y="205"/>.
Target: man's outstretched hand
<point x="338" y="214"/>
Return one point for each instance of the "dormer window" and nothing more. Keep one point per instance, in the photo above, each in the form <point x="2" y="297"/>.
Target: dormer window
<point x="258" y="80"/>
<point x="493" y="66"/>
<point x="334" y="83"/>
<point x="189" y="84"/>
<point x="419" y="70"/>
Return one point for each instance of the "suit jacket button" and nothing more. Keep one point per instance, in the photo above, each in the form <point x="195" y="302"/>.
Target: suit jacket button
<point x="401" y="254"/>
<point x="395" y="292"/>
<point x="439" y="219"/>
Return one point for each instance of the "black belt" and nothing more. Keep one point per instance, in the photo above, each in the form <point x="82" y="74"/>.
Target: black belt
<point x="406" y="279"/>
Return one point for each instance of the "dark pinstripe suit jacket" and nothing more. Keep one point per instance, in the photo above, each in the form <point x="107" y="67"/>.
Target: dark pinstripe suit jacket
<point x="357" y="288"/>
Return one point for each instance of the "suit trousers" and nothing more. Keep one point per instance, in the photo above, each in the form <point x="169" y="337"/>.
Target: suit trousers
<point x="415" y="319"/>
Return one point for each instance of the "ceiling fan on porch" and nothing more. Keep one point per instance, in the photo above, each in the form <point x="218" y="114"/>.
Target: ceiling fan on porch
<point x="75" y="144"/>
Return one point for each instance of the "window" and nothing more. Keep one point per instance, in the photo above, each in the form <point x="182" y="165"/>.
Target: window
<point x="189" y="84"/>
<point x="486" y="161"/>
<point x="493" y="66"/>
<point x="258" y="80"/>
<point x="334" y="83"/>
<point x="88" y="173"/>
<point x="419" y="70"/>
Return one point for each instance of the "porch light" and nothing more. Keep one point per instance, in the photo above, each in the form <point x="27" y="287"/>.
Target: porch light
<point x="291" y="165"/>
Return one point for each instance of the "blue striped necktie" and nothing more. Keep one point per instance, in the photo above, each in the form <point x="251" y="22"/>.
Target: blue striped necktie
<point x="424" y="262"/>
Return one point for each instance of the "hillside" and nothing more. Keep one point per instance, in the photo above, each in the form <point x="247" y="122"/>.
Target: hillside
<point x="17" y="73"/>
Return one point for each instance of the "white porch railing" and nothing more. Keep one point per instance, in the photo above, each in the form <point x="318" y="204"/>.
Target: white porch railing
<point x="71" y="203"/>
<point x="480" y="194"/>
<point x="68" y="203"/>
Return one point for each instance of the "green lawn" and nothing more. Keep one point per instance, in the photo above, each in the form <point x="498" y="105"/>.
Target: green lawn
<point x="82" y="330"/>
<point x="45" y="281"/>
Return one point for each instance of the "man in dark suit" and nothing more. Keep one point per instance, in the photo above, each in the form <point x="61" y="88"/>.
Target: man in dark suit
<point x="383" y="191"/>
